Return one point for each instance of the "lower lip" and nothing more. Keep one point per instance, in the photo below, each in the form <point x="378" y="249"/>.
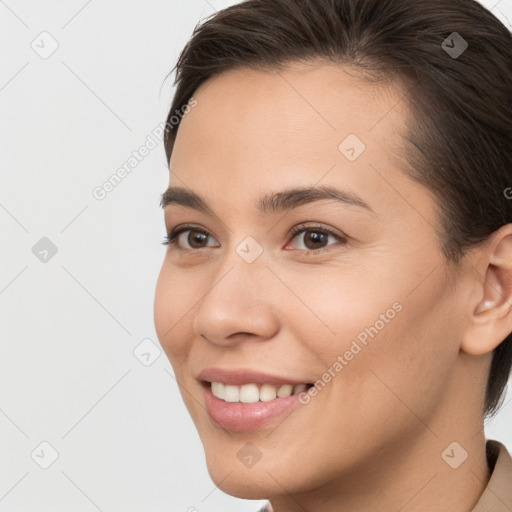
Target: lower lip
<point x="239" y="416"/>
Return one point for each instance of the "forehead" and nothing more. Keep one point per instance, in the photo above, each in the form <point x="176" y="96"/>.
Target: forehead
<point x="293" y="108"/>
<point x="328" y="96"/>
<point x="255" y="130"/>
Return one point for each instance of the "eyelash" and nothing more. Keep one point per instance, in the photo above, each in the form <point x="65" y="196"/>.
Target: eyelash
<point x="173" y="235"/>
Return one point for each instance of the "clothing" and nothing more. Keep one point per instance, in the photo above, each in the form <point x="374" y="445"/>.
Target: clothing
<point x="497" y="496"/>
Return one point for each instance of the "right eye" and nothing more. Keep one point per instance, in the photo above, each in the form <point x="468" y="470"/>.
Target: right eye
<point x="195" y="238"/>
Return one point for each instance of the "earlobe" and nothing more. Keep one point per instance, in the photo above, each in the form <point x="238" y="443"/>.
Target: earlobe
<point x="491" y="318"/>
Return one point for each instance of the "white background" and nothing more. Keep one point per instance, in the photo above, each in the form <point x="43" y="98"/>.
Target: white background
<point x="68" y="374"/>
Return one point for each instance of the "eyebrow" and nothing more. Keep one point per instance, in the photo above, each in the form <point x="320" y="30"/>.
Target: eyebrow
<point x="271" y="203"/>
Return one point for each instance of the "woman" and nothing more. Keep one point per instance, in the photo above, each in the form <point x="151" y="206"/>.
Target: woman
<point x="336" y="295"/>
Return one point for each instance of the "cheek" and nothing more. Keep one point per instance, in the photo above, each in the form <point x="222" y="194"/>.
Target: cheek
<point x="373" y="340"/>
<point x="330" y="308"/>
<point x="170" y="314"/>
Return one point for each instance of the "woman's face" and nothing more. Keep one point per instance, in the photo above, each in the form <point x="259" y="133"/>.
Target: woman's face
<point x="367" y="312"/>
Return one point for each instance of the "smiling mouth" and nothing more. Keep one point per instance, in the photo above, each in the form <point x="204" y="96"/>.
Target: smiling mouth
<point x="251" y="393"/>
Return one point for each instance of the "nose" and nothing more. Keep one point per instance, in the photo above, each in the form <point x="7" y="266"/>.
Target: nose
<point x="239" y="304"/>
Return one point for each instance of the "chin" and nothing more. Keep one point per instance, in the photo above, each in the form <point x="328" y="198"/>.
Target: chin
<point x="267" y="478"/>
<point x="246" y="484"/>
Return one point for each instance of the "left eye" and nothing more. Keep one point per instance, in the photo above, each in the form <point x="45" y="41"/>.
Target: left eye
<point x="315" y="238"/>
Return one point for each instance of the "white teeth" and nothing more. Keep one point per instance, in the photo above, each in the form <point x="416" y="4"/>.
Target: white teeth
<point x="251" y="393"/>
<point x="218" y="389"/>
<point x="231" y="393"/>
<point x="285" y="391"/>
<point x="267" y="392"/>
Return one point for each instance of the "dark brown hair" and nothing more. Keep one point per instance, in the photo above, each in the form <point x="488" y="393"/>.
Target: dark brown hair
<point x="459" y="138"/>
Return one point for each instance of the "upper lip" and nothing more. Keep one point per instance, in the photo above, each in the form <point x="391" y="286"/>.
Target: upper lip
<point x="241" y="376"/>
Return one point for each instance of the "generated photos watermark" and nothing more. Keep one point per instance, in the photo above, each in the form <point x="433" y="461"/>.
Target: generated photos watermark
<point x="152" y="141"/>
<point x="357" y="345"/>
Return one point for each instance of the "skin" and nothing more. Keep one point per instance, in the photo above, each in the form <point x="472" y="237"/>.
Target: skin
<point x="372" y="438"/>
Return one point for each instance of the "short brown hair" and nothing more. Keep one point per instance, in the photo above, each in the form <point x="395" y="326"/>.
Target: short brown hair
<point x="459" y="142"/>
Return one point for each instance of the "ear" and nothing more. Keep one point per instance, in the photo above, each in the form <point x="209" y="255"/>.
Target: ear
<point x="491" y="308"/>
